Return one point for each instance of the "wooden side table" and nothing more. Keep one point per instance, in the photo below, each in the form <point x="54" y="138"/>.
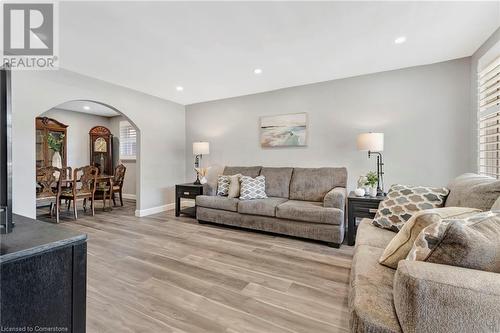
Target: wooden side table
<point x="359" y="207"/>
<point x="187" y="191"/>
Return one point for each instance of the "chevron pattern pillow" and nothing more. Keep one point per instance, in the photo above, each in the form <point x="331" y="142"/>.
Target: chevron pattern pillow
<point x="223" y="185"/>
<point x="252" y="188"/>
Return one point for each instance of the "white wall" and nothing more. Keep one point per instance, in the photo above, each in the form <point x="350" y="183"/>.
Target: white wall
<point x="129" y="188"/>
<point x="423" y="111"/>
<point x="160" y="122"/>
<point x="79" y="125"/>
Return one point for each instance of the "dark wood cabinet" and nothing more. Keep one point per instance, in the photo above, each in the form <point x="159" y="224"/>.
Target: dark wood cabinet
<point x="46" y="127"/>
<point x="187" y="191"/>
<point x="359" y="207"/>
<point x="101" y="149"/>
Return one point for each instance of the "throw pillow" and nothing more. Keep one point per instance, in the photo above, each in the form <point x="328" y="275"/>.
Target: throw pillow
<point x="223" y="185"/>
<point x="234" y="186"/>
<point x="252" y="188"/>
<point x="404" y="201"/>
<point x="496" y="205"/>
<point x="399" y="247"/>
<point x="471" y="243"/>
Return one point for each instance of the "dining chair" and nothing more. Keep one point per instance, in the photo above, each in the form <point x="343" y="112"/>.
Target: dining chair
<point x="83" y="187"/>
<point x="118" y="180"/>
<point x="49" y="187"/>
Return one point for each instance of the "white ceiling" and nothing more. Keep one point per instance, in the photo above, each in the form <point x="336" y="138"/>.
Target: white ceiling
<point x="93" y="108"/>
<point x="212" y="48"/>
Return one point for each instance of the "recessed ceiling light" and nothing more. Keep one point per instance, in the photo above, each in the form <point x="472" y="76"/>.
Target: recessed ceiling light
<point x="257" y="71"/>
<point x="179" y="88"/>
<point x="400" y="40"/>
<point x="86" y="107"/>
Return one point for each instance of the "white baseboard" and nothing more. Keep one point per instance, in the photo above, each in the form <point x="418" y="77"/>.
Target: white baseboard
<point x="154" y="210"/>
<point x="129" y="196"/>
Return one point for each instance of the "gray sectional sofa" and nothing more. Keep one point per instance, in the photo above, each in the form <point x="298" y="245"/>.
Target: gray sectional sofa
<point x="421" y="296"/>
<point x="303" y="202"/>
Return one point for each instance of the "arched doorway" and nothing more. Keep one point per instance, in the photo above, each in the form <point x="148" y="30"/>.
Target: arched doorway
<point x="77" y="118"/>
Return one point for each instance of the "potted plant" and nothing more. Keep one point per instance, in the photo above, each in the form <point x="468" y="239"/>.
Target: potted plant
<point x="371" y="182"/>
<point x="56" y="143"/>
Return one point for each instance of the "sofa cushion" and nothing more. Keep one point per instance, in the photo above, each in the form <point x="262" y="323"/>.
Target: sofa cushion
<point x="401" y="244"/>
<point x="217" y="202"/>
<point x="277" y="181"/>
<point x="312" y="184"/>
<point x="403" y="201"/>
<point x="309" y="211"/>
<point x="368" y="234"/>
<point x="234" y="186"/>
<point x="472" y="242"/>
<point x="264" y="207"/>
<point x="472" y="190"/>
<point x="371" y="296"/>
<point x="252" y="171"/>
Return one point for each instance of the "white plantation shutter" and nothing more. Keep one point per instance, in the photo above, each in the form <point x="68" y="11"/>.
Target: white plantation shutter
<point x="128" y="141"/>
<point x="489" y="120"/>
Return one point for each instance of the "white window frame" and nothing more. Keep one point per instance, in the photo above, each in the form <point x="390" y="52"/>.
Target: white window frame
<point x="488" y="119"/>
<point x="127" y="125"/>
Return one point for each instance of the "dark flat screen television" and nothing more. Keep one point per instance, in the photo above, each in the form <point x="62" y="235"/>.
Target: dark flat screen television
<point x="6" y="223"/>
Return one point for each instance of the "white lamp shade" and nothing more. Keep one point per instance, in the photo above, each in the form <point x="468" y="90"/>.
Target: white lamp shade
<point x="371" y="141"/>
<point x="201" y="148"/>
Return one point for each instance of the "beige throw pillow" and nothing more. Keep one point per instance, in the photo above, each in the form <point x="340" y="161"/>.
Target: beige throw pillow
<point x="400" y="246"/>
<point x="234" y="186"/>
<point x="472" y="242"/>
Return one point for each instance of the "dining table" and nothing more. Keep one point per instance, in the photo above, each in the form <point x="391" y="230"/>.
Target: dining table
<point x="104" y="188"/>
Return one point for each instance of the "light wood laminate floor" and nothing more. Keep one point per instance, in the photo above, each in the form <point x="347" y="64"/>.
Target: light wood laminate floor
<point x="166" y="274"/>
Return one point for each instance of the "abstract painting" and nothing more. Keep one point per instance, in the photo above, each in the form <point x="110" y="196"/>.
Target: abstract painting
<point x="286" y="130"/>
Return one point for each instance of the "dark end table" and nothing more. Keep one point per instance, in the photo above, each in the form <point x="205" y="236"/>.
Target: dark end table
<point x="186" y="191"/>
<point x="359" y="207"/>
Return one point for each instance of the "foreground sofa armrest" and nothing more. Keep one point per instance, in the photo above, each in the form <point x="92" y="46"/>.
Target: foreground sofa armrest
<point x="335" y="198"/>
<point x="440" y="298"/>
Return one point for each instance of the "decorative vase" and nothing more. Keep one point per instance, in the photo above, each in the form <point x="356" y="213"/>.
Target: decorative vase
<point x="57" y="162"/>
<point x="373" y="191"/>
<point x="203" y="180"/>
<point x="359" y="192"/>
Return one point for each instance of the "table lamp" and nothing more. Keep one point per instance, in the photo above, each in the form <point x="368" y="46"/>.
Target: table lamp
<point x="199" y="149"/>
<point x="374" y="144"/>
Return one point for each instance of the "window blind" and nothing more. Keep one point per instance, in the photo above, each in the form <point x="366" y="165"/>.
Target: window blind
<point x="128" y="141"/>
<point x="489" y="119"/>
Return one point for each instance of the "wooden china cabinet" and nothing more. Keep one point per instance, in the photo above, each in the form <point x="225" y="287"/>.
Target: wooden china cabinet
<point x="45" y="127"/>
<point x="101" y="149"/>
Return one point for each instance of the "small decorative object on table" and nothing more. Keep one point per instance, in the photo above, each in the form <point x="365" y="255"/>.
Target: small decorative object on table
<point x="187" y="191"/>
<point x="371" y="182"/>
<point x="199" y="149"/>
<point x="359" y="192"/>
<point x="202" y="174"/>
<point x="359" y="207"/>
<point x="374" y="144"/>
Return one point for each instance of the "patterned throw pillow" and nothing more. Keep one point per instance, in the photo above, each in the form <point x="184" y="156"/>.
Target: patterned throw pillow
<point x="471" y="242"/>
<point x="223" y="185"/>
<point x="404" y="201"/>
<point x="399" y="247"/>
<point x="252" y="188"/>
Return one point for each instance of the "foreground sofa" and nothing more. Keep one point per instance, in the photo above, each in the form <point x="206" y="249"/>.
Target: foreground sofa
<point x="421" y="296"/>
<point x="303" y="202"/>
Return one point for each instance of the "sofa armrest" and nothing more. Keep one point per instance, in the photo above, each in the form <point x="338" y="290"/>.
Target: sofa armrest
<point x="335" y="198"/>
<point x="440" y="298"/>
